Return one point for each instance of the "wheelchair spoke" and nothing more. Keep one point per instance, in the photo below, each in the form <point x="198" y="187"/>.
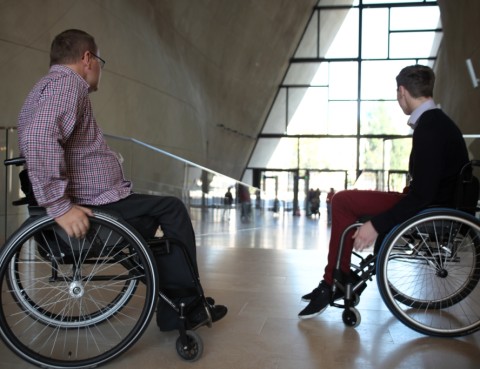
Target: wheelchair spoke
<point x="75" y="302"/>
<point x="428" y="271"/>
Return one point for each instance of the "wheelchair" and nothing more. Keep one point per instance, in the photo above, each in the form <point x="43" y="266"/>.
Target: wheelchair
<point x="79" y="303"/>
<point x="427" y="268"/>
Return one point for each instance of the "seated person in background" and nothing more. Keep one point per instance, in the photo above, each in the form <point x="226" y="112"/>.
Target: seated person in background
<point x="71" y="166"/>
<point x="437" y="156"/>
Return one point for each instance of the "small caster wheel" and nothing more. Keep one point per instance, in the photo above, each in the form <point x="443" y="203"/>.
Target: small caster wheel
<point x="193" y="350"/>
<point x="351" y="317"/>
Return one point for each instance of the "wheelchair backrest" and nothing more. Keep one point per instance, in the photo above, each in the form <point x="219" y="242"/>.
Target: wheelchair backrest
<point x="467" y="189"/>
<point x="25" y="184"/>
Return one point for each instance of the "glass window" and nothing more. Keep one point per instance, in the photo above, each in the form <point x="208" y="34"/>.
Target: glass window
<point x="342" y="118"/>
<point x="340" y="39"/>
<point x="371" y="153"/>
<point x="378" y="78"/>
<point x="344" y="91"/>
<point x="307" y="109"/>
<point x="397" y="153"/>
<point x="305" y="74"/>
<point x="375" y="34"/>
<point x="328" y="153"/>
<point x="265" y="153"/>
<point x="343" y="81"/>
<point x="415" y="18"/>
<point x="285" y="154"/>
<point x="321" y="76"/>
<point x="276" y="121"/>
<point x="413" y="44"/>
<point x="383" y="118"/>
<point x="325" y="178"/>
<point x="367" y="180"/>
<point x="308" y="47"/>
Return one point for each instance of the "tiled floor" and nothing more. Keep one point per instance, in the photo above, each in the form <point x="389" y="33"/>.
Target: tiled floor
<point x="259" y="270"/>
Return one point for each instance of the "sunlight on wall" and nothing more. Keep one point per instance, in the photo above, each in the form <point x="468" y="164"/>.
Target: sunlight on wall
<point x="392" y="38"/>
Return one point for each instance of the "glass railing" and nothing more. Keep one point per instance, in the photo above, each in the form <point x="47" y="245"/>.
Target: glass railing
<point x="155" y="171"/>
<point x="10" y="216"/>
<point x="152" y="171"/>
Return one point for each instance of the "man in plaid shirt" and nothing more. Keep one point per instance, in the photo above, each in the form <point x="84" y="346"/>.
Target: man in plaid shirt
<point x="71" y="166"/>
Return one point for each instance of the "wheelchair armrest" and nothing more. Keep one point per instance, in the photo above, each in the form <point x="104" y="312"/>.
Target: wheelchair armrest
<point x="15" y="161"/>
<point x="21" y="201"/>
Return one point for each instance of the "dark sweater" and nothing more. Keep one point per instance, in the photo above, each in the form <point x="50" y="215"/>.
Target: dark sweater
<point x="438" y="153"/>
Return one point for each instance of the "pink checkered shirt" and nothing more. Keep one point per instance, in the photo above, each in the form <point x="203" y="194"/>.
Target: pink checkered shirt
<point x="67" y="157"/>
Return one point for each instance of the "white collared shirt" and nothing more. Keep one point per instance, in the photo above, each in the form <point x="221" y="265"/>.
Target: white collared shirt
<point x="427" y="105"/>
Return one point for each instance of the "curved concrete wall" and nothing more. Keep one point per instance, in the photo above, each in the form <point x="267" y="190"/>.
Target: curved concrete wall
<point x="197" y="77"/>
<point x="454" y="89"/>
<point x="193" y="77"/>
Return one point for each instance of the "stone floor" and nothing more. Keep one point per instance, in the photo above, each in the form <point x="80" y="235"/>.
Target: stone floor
<point x="259" y="269"/>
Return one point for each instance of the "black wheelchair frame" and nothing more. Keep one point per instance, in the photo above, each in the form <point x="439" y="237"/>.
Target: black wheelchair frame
<point x="427" y="268"/>
<point x="79" y="303"/>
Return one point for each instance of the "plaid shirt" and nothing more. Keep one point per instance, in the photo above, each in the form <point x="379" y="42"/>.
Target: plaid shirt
<point x="67" y="157"/>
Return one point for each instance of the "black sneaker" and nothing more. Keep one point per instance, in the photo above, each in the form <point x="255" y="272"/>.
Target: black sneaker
<point x="339" y="294"/>
<point x="199" y="317"/>
<point x="308" y="297"/>
<point x="319" y="301"/>
<point x="168" y="319"/>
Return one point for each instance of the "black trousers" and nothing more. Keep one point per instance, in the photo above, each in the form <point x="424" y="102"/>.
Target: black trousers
<point x="178" y="273"/>
<point x="146" y="213"/>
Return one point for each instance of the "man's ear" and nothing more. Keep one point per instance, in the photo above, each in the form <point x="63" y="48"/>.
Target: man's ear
<point x="87" y="59"/>
<point x="404" y="92"/>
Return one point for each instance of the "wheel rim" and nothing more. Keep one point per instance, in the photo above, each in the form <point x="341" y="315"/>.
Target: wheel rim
<point x="85" y="316"/>
<point x="428" y="274"/>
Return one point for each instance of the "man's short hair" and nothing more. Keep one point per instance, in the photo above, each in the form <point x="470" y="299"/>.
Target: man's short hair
<point x="417" y="79"/>
<point x="69" y="46"/>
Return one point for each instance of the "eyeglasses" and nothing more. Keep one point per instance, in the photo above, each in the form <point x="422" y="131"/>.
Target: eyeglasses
<point x="102" y="62"/>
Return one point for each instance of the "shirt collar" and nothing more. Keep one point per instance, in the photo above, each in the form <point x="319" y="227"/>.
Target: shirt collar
<point x="427" y="105"/>
<point x="60" y="68"/>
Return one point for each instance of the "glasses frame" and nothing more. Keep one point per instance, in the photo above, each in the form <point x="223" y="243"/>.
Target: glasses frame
<point x="102" y="62"/>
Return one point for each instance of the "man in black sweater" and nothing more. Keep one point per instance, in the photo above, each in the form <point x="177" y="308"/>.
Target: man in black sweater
<point x="438" y="154"/>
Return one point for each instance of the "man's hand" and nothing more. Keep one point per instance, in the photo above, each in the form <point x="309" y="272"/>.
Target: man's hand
<point x="365" y="236"/>
<point x="75" y="221"/>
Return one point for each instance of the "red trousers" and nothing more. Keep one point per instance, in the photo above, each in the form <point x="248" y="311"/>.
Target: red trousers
<point x="347" y="207"/>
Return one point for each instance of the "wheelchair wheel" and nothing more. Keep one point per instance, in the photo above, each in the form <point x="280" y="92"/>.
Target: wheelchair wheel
<point x="193" y="349"/>
<point x="428" y="270"/>
<point x="69" y="303"/>
<point x="351" y="317"/>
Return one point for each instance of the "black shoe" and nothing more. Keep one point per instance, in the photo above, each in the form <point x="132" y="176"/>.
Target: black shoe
<point x="320" y="300"/>
<point x="339" y="294"/>
<point x="199" y="317"/>
<point x="308" y="297"/>
<point x="168" y="319"/>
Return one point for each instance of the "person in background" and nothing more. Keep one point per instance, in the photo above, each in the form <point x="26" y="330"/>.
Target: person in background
<point x="227" y="203"/>
<point x="329" y="204"/>
<point x="245" y="203"/>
